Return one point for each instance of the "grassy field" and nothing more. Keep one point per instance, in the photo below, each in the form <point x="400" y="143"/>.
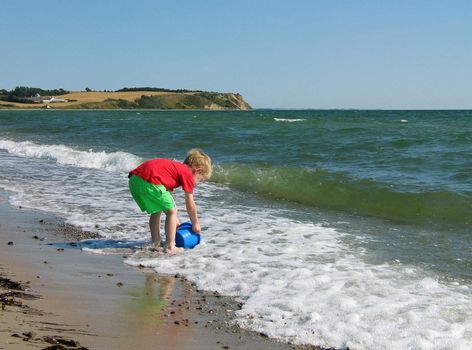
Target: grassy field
<point x="80" y="98"/>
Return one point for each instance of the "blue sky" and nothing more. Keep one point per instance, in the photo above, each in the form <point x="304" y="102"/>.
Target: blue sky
<point x="280" y="54"/>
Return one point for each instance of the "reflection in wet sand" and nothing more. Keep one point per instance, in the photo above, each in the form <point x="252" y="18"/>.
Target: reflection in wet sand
<point x="159" y="307"/>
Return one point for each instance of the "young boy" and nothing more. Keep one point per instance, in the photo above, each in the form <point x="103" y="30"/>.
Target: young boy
<point x="151" y="185"/>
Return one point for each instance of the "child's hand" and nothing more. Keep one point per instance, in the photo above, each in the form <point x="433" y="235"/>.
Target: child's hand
<point x="196" y="228"/>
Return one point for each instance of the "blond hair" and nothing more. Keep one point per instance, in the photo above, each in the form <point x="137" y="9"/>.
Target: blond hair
<point x="197" y="159"/>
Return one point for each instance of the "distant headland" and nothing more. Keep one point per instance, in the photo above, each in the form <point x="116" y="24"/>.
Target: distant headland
<point x="23" y="97"/>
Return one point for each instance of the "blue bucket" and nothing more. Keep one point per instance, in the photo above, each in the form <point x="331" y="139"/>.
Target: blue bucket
<point x="185" y="237"/>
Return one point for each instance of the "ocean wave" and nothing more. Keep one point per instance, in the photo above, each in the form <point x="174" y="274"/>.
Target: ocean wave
<point x="311" y="187"/>
<point x="336" y="191"/>
<point x="109" y="161"/>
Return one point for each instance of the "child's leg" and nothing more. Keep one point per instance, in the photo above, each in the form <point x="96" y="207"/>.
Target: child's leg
<point x="154" y="225"/>
<point x="171" y="225"/>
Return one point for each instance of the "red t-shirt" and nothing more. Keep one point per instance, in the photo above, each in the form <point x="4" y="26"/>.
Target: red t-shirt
<point x="166" y="172"/>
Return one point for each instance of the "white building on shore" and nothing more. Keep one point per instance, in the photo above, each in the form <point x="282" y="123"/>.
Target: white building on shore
<point x="54" y="100"/>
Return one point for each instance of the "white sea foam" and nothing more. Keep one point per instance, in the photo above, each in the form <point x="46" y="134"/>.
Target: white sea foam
<point x="116" y="161"/>
<point x="289" y="120"/>
<point x="298" y="279"/>
<point x="299" y="283"/>
<point x="77" y="190"/>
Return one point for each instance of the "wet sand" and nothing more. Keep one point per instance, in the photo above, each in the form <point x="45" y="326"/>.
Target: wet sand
<point x="97" y="301"/>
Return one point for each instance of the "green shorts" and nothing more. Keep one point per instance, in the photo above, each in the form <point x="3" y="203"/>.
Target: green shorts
<point x="150" y="198"/>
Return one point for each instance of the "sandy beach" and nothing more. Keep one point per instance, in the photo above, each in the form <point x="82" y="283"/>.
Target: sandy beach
<point x="55" y="296"/>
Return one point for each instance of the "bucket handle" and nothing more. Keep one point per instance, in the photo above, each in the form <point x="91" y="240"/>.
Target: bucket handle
<point x="187" y="224"/>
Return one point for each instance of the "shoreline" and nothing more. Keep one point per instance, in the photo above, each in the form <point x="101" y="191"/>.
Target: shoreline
<point x="100" y="302"/>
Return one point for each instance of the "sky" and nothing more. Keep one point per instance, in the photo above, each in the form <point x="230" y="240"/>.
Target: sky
<point x="321" y="54"/>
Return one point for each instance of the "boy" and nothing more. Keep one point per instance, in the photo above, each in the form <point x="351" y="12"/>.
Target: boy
<point x="150" y="185"/>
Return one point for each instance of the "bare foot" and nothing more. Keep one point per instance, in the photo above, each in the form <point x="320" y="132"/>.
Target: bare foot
<point x="174" y="250"/>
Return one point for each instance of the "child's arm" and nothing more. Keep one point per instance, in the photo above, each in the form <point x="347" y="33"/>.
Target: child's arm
<point x="192" y="212"/>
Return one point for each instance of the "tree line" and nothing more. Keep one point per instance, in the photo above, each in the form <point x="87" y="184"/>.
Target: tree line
<point x="23" y="94"/>
<point x="156" y="89"/>
<point x="27" y="91"/>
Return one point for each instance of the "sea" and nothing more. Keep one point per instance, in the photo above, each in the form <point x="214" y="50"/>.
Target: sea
<point x="338" y="228"/>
